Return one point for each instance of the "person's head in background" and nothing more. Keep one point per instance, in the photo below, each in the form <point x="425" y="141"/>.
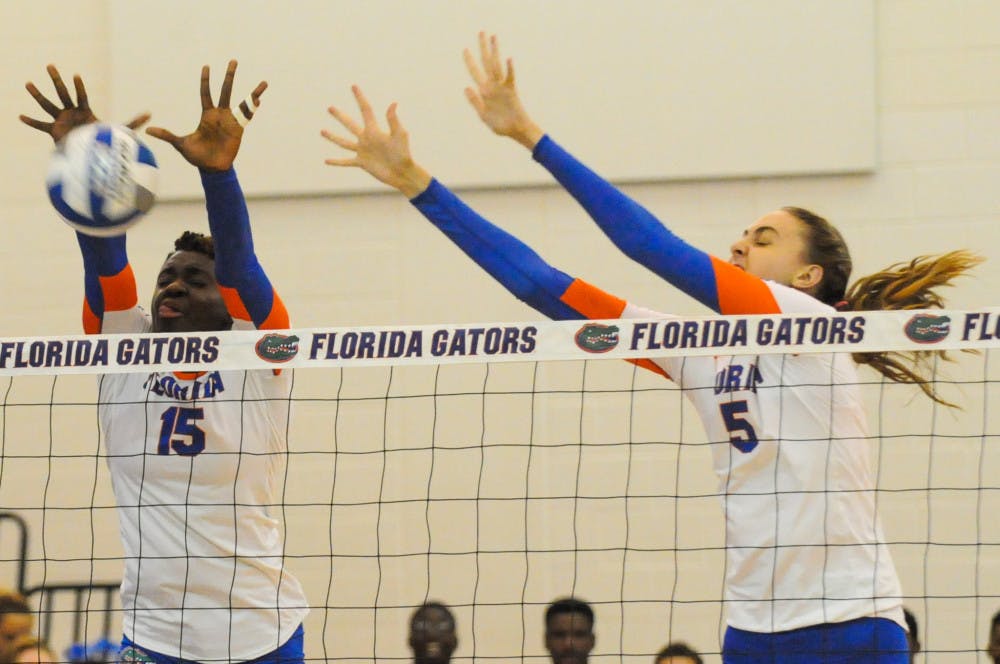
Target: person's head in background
<point x="16" y="620"/>
<point x="569" y="631"/>
<point x="432" y="634"/>
<point x="993" y="645"/>
<point x="912" y="633"/>
<point x="31" y="650"/>
<point x="678" y="652"/>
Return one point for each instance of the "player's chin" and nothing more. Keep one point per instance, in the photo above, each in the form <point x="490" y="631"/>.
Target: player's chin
<point x="570" y="659"/>
<point x="435" y="658"/>
<point x="173" y="325"/>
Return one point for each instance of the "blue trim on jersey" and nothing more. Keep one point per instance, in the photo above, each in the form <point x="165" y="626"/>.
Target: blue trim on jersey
<point x="102" y="257"/>
<point x="508" y="260"/>
<point x="291" y="652"/>
<point x="236" y="264"/>
<point x="632" y="228"/>
<point x="861" y="641"/>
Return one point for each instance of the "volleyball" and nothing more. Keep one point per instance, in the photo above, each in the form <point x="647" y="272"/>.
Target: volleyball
<point x="102" y="179"/>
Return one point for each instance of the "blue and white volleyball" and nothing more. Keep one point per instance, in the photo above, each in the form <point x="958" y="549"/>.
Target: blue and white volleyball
<point x="102" y="179"/>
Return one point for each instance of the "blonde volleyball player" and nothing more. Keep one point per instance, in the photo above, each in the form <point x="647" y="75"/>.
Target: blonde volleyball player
<point x="809" y="578"/>
<point x="194" y="456"/>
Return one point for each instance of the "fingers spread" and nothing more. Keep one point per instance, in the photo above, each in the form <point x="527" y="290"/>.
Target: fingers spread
<point x="227" y="85"/>
<point x="163" y="135"/>
<point x="206" y="92"/>
<point x="392" y="117"/>
<point x="42" y="100"/>
<point x="366" y="109"/>
<point x="345" y="120"/>
<point x="138" y="121"/>
<point x="81" y="93"/>
<point x="484" y="52"/>
<point x="339" y="140"/>
<point x="341" y="162"/>
<point x="36" y="124"/>
<point x="60" y="86"/>
<point x="474" y="71"/>
<point x="488" y="53"/>
<point x="475" y="100"/>
<point x="495" y="68"/>
<point x="258" y="91"/>
<point x="249" y="106"/>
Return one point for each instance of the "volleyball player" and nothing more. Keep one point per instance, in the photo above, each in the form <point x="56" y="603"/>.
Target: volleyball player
<point x="809" y="577"/>
<point x="195" y="458"/>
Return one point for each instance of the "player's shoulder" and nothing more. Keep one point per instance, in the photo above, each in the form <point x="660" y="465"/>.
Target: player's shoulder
<point x="791" y="300"/>
<point x="133" y="320"/>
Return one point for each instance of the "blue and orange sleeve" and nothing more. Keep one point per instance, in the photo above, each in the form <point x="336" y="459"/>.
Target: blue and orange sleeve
<point x="515" y="265"/>
<point x="592" y="302"/>
<point x="643" y="238"/>
<point x="508" y="260"/>
<point x="108" y="281"/>
<point x="245" y="287"/>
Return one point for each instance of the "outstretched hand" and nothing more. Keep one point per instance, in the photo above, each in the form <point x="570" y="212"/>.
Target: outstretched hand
<point x="72" y="114"/>
<point x="213" y="146"/>
<point x="495" y="95"/>
<point x="384" y="155"/>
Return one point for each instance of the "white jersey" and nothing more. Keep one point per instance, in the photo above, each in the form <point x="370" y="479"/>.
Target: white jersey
<point x="196" y="462"/>
<point x="790" y="445"/>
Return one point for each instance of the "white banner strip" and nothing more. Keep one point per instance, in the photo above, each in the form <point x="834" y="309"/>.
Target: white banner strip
<point x="502" y="342"/>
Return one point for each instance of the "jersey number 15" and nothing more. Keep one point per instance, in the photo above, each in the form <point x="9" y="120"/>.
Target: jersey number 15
<point x="180" y="431"/>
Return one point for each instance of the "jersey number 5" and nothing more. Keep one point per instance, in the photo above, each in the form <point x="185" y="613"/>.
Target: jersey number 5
<point x="180" y="431"/>
<point x="741" y="432"/>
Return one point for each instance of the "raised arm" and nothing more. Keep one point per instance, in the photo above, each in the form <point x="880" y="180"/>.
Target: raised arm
<point x="633" y="229"/>
<point x="386" y="156"/>
<point x="212" y="147"/>
<point x="109" y="284"/>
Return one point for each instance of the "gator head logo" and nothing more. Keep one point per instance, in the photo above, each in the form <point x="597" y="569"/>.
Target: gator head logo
<point x="927" y="328"/>
<point x="597" y="338"/>
<point x="277" y="347"/>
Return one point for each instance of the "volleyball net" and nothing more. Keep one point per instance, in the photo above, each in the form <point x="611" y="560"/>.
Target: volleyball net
<point x="498" y="467"/>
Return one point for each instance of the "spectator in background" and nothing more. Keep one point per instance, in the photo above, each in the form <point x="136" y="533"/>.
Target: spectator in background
<point x="912" y="633"/>
<point x="993" y="645"/>
<point x="31" y="650"/>
<point x="432" y="634"/>
<point x="16" y="620"/>
<point x="678" y="652"/>
<point x="569" y="631"/>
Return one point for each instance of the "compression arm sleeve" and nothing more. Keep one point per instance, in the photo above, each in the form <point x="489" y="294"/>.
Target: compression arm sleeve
<point x="516" y="266"/>
<point x="247" y="291"/>
<point x="508" y="260"/>
<point x="108" y="281"/>
<point x="715" y="283"/>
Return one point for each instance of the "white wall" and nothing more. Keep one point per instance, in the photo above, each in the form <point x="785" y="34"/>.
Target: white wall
<point x="373" y="260"/>
<point x="714" y="88"/>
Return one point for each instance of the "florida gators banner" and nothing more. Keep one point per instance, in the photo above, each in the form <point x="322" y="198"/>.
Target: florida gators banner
<point x="503" y="342"/>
